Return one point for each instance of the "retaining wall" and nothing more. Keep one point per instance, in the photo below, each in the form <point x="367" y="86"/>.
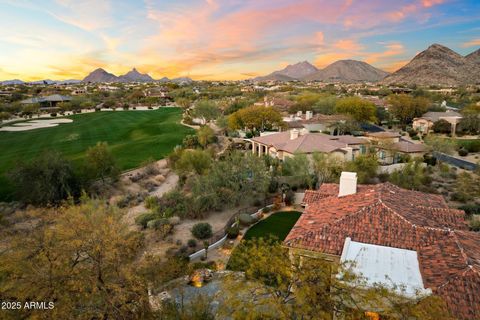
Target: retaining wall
<point x="222" y="240"/>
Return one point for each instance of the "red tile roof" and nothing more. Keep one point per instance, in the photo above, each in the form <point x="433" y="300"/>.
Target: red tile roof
<point x="383" y="214"/>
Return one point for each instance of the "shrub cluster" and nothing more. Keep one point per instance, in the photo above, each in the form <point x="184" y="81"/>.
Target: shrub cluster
<point x="202" y="230"/>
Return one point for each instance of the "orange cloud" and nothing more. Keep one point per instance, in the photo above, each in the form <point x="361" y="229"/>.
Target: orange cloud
<point x="324" y="60"/>
<point x="471" y="43"/>
<point x="394" y="66"/>
<point x="348" y="44"/>
<point x="350" y="49"/>
<point x="393" y="49"/>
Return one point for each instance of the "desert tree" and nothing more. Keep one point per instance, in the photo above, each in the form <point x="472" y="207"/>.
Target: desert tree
<point x="47" y="179"/>
<point x="82" y="258"/>
<point x="272" y="283"/>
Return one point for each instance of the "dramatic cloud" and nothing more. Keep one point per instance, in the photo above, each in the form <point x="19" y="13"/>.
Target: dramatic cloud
<point x="224" y="39"/>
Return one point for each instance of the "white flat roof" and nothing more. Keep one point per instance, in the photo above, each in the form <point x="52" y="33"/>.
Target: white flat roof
<point x="389" y="266"/>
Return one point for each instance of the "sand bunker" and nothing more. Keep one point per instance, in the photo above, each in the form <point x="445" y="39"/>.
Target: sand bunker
<point x="35" y="124"/>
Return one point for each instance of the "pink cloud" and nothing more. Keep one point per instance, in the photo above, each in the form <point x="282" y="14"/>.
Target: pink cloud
<point x="431" y="3"/>
<point x="213" y="33"/>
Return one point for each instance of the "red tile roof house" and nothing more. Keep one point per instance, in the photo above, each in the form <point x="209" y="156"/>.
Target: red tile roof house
<point x="285" y="144"/>
<point x="384" y="215"/>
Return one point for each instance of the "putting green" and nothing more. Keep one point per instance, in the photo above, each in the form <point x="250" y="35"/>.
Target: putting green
<point x="133" y="137"/>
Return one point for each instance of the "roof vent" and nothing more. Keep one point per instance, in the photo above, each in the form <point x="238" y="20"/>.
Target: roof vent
<point x="348" y="184"/>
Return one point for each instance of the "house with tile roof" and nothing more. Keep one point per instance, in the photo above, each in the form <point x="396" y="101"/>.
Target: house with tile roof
<point x="424" y="123"/>
<point x="391" y="147"/>
<point x="286" y="144"/>
<point x="434" y="239"/>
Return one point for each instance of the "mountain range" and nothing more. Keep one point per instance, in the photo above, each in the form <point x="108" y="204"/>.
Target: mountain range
<point x="348" y="71"/>
<point x="100" y="75"/>
<point x="46" y="81"/>
<point x="339" y="71"/>
<point x="438" y="65"/>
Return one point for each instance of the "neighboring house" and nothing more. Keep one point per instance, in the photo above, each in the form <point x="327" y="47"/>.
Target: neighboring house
<point x="47" y="102"/>
<point x="282" y="145"/>
<point x="391" y="148"/>
<point x="279" y="103"/>
<point x="79" y="91"/>
<point x="424" y="123"/>
<point x="324" y="122"/>
<point x="315" y="122"/>
<point x="398" y="237"/>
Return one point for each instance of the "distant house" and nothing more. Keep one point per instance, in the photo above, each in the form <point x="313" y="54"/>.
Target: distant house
<point x="79" y="91"/>
<point x="47" y="102"/>
<point x="286" y="144"/>
<point x="401" y="238"/>
<point x="279" y="103"/>
<point x="424" y="123"/>
<point x="391" y="148"/>
<point x="315" y="122"/>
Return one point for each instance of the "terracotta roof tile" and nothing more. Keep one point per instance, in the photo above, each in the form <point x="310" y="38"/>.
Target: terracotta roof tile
<point x="384" y="214"/>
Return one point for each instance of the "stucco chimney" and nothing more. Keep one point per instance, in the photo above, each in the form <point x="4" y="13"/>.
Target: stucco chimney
<point x="293" y="134"/>
<point x="299" y="114"/>
<point x="348" y="184"/>
<point x="308" y="115"/>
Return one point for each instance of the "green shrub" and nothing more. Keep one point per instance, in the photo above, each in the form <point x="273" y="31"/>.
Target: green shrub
<point x="475" y="224"/>
<point x="202" y="230"/>
<point x="151" y="202"/>
<point x="233" y="232"/>
<point x="144" y="218"/>
<point x="469" y="145"/>
<point x="273" y="186"/>
<point x="462" y="152"/>
<point x="460" y="197"/>
<point x="192" y="243"/>
<point x="246" y="219"/>
<point x="157" y="223"/>
<point x="289" y="197"/>
<point x="211" y="265"/>
<point x="168" y="213"/>
<point x="470" y="209"/>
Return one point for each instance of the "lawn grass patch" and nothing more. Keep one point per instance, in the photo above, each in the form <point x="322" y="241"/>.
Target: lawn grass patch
<point x="277" y="225"/>
<point x="133" y="137"/>
<point x="471" y="145"/>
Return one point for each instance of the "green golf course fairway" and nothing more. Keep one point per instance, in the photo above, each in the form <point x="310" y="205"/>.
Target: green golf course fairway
<point x="133" y="137"/>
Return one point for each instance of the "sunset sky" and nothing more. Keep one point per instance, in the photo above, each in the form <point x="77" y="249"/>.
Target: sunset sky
<point x="223" y="39"/>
